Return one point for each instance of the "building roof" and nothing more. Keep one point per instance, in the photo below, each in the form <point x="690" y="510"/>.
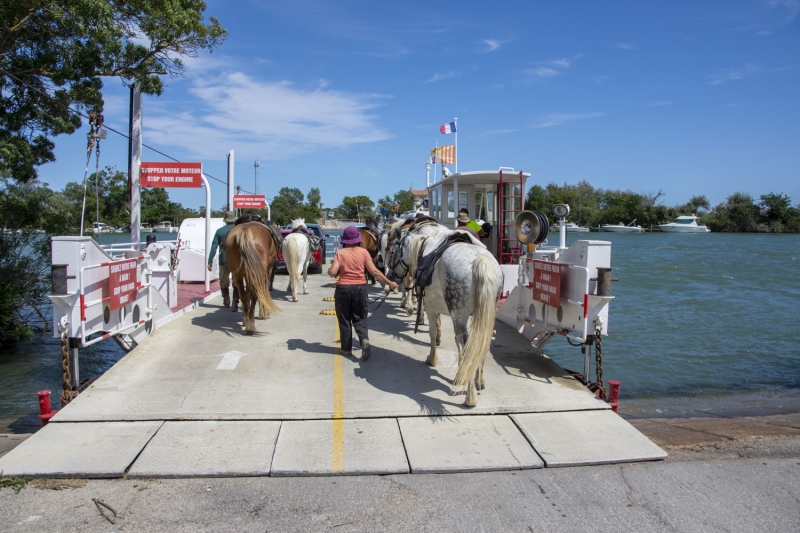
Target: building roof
<point x="419" y="192"/>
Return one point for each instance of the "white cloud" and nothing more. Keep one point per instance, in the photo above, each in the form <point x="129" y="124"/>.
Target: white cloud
<point x="439" y="77"/>
<point x="257" y="117"/>
<point x="733" y="74"/>
<point x="791" y="7"/>
<point x="491" y="44"/>
<point x="534" y="75"/>
<point x="626" y="46"/>
<point x="559" y="119"/>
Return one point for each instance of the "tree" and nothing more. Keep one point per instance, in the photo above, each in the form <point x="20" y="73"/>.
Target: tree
<point x="55" y="54"/>
<point x="25" y="254"/>
<point x="356" y="207"/>
<point x="404" y="200"/>
<point x="314" y="198"/>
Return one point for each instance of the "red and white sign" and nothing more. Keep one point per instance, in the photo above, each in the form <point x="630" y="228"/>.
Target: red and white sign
<point x="249" y="201"/>
<point x="122" y="282"/>
<point x="547" y="282"/>
<point x="170" y="174"/>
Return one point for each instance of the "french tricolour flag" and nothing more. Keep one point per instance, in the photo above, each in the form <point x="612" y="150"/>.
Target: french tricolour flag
<point x="448" y="128"/>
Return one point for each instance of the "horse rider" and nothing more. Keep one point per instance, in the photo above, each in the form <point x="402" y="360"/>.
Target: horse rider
<point x="349" y="264"/>
<point x="224" y="274"/>
<point x="464" y="223"/>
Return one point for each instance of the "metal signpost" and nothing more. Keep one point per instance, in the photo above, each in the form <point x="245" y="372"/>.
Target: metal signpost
<point x="185" y="175"/>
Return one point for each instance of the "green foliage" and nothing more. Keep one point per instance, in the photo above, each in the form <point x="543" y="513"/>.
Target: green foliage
<point x="29" y="214"/>
<point x="15" y="483"/>
<point x="56" y="54"/>
<point x="356" y="207"/>
<point x="401" y="202"/>
<point x="288" y="205"/>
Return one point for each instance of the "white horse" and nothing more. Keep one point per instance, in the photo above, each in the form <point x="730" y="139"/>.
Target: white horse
<point x="466" y="283"/>
<point x="297" y="255"/>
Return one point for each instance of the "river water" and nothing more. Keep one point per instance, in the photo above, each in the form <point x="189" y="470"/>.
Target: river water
<point x="699" y="323"/>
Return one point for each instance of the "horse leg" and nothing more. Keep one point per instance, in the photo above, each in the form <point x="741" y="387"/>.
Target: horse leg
<point x="460" y="330"/>
<point x="421" y="319"/>
<point x="438" y="329"/>
<point x="245" y="299"/>
<point x="480" y="381"/>
<point x="305" y="277"/>
<point x="433" y="357"/>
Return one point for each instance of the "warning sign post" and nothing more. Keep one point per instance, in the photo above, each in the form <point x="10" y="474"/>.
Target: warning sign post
<point x="249" y="201"/>
<point x="547" y="282"/>
<point x="122" y="282"/>
<point x="187" y="175"/>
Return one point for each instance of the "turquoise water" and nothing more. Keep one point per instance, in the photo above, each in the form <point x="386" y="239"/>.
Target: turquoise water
<point x="699" y="322"/>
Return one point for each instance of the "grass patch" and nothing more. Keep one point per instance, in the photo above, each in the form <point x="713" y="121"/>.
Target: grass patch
<point x="16" y="483"/>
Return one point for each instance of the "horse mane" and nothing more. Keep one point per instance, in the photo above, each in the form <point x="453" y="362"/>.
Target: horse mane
<point x="414" y="247"/>
<point x="296" y="223"/>
<point x="397" y="227"/>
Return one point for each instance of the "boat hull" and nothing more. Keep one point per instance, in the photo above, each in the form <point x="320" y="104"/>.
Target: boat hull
<point x="666" y="228"/>
<point x="622" y="229"/>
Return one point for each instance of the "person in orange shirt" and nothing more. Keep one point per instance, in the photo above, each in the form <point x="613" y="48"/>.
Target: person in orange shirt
<point x="350" y="263"/>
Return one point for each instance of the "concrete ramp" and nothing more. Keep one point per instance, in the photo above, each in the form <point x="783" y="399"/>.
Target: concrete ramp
<point x="84" y="449"/>
<point x="586" y="438"/>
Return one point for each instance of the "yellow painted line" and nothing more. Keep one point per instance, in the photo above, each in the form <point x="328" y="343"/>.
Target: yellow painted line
<point x="337" y="455"/>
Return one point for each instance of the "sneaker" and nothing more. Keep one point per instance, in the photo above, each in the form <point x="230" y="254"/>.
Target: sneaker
<point x="366" y="350"/>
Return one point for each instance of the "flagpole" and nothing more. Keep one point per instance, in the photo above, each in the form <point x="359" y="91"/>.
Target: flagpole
<point x="455" y="120"/>
<point x="438" y="158"/>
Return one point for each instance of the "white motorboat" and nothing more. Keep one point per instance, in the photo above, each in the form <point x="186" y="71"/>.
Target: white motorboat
<point x="684" y="224"/>
<point x="571" y="228"/>
<point x="165" y="227"/>
<point x="632" y="227"/>
<point x="100" y="227"/>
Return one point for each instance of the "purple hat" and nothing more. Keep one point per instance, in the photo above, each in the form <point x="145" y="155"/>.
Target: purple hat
<point x="351" y="235"/>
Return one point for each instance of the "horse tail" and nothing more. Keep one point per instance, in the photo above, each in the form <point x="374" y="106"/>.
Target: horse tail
<point x="255" y="271"/>
<point x="480" y="331"/>
<point x="292" y="256"/>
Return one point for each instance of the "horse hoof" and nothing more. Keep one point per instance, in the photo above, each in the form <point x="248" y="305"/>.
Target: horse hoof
<point x="409" y="312"/>
<point x="249" y="332"/>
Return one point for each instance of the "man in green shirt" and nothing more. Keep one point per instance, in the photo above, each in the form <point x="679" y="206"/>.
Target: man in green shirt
<point x="224" y="275"/>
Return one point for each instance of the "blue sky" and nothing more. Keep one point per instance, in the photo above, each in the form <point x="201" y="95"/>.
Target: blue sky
<point x="348" y="96"/>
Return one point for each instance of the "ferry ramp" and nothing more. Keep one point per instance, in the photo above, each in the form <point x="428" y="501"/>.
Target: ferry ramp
<point x="200" y="398"/>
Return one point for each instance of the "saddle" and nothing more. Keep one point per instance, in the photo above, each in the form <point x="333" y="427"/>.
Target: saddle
<point x="276" y="235"/>
<point x="313" y="240"/>
<point x="424" y="275"/>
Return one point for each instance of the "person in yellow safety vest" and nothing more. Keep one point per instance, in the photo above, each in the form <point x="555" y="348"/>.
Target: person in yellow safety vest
<point x="463" y="214"/>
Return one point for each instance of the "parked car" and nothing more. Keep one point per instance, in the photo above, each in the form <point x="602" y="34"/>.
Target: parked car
<point x="317" y="258"/>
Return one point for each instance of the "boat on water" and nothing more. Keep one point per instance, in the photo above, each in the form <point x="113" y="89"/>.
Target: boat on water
<point x="571" y="227"/>
<point x="165" y="227"/>
<point x="100" y="227"/>
<point x="631" y="227"/>
<point x="684" y="224"/>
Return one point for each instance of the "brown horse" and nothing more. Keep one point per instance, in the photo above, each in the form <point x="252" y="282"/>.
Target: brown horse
<point x="370" y="243"/>
<point x="251" y="257"/>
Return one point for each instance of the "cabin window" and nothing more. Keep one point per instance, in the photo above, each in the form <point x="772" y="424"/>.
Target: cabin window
<point x="463" y="201"/>
<point x="450" y="199"/>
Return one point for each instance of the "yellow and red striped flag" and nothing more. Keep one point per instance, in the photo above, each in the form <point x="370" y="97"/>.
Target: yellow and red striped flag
<point x="447" y="154"/>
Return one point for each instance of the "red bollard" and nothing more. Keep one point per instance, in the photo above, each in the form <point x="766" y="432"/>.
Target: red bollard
<point x="613" y="394"/>
<point x="45" y="413"/>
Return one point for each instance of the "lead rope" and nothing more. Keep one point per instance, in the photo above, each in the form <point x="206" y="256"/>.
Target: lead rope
<point x="68" y="394"/>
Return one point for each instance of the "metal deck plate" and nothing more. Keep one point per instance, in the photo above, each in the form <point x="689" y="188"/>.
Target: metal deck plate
<point x="466" y="444"/>
<point x="203" y="367"/>
<point x="209" y="448"/>
<point x="586" y="438"/>
<point x="85" y="449"/>
<point x="330" y="447"/>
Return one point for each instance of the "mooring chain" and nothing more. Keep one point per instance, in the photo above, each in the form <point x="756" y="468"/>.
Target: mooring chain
<point x="68" y="394"/>
<point x="598" y="353"/>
